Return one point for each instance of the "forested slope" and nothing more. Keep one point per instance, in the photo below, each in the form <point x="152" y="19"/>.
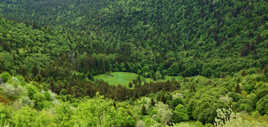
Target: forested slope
<point x="204" y="61"/>
<point x="193" y="37"/>
<point x="239" y="100"/>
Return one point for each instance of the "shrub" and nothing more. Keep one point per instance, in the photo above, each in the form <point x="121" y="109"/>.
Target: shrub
<point x="253" y="99"/>
<point x="262" y="105"/>
<point x="238" y="121"/>
<point x="223" y="115"/>
<point x="11" y="91"/>
<point x="261" y="93"/>
<point x="5" y="76"/>
<point x="249" y="87"/>
<point x="180" y="114"/>
<point x="245" y="105"/>
<point x="204" y="109"/>
<point x="175" y="102"/>
<point x="28" y="117"/>
<point x="21" y="79"/>
<point x="235" y="96"/>
<point x="4" y="115"/>
<point x="162" y="113"/>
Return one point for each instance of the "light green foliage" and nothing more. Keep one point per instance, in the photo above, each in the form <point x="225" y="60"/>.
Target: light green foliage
<point x="262" y="105"/>
<point x="204" y="109"/>
<point x="64" y="112"/>
<point x="245" y="105"/>
<point x="5" y="76"/>
<point x="28" y="117"/>
<point x="243" y="120"/>
<point x="12" y="92"/>
<point x="180" y="114"/>
<point x="5" y="114"/>
<point x="224" y="115"/>
<point x="39" y="107"/>
<point x="162" y="113"/>
<point x="190" y="124"/>
<point x="95" y="112"/>
<point x="20" y="93"/>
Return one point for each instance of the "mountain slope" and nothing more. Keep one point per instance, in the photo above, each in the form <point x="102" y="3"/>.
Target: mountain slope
<point x="210" y="38"/>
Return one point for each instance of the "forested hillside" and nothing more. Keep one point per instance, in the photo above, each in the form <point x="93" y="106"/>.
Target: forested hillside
<point x="193" y="37"/>
<point x="149" y="63"/>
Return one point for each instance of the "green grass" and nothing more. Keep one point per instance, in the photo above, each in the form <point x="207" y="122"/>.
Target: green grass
<point x="124" y="78"/>
<point x="117" y="78"/>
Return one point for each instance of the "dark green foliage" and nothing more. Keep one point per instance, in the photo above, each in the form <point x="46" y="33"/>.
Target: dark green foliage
<point x="173" y="103"/>
<point x="238" y="88"/>
<point x="261" y="92"/>
<point x="249" y="87"/>
<point x="266" y="69"/>
<point x="84" y="88"/>
<point x="164" y="97"/>
<point x="143" y="110"/>
<point x="262" y="105"/>
<point x="130" y="85"/>
<point x="93" y="37"/>
<point x="152" y="102"/>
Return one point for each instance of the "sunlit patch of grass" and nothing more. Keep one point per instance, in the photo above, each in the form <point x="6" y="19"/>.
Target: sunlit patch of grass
<point x="117" y="78"/>
<point x="124" y="78"/>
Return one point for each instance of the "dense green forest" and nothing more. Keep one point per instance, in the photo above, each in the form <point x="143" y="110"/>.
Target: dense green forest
<point x="133" y="63"/>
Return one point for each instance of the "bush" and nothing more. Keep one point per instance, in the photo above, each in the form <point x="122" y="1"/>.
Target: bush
<point x="262" y="105"/>
<point x="235" y="96"/>
<point x="239" y="121"/>
<point x="21" y="79"/>
<point x="261" y="93"/>
<point x="4" y="115"/>
<point x="11" y="91"/>
<point x="28" y="117"/>
<point x="180" y="114"/>
<point x="204" y="109"/>
<point x="245" y="105"/>
<point x="176" y="102"/>
<point x="162" y="113"/>
<point x="41" y="99"/>
<point x="5" y="76"/>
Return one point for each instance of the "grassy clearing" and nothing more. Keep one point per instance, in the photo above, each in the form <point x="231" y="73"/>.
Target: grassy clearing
<point x="124" y="78"/>
<point x="117" y="78"/>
